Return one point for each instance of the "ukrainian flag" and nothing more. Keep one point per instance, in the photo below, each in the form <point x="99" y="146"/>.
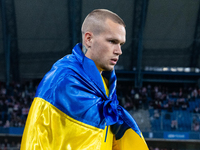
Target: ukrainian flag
<point x="71" y="111"/>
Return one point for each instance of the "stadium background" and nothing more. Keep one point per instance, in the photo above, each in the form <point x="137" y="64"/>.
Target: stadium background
<point x="162" y="51"/>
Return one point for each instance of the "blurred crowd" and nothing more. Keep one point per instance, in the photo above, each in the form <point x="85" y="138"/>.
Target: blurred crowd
<point x="162" y="98"/>
<point x="9" y="145"/>
<point x="15" y="101"/>
<point x="158" y="97"/>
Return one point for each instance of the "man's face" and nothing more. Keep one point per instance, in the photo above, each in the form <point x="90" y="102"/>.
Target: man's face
<point x="105" y="47"/>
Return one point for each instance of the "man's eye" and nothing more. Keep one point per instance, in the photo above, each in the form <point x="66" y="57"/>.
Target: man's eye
<point x="112" y="42"/>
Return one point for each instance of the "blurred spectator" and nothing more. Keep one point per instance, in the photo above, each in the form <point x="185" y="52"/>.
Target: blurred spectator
<point x="137" y="100"/>
<point x="195" y="126"/>
<point x="194" y="94"/>
<point x="12" y="146"/>
<point x="174" y="124"/>
<point x="180" y="93"/>
<point x="25" y="110"/>
<point x="2" y="90"/>
<point x="184" y="106"/>
<point x="196" y="110"/>
<point x="156" y="148"/>
<point x="7" y="124"/>
<point x="156" y="114"/>
<point x="151" y="148"/>
<point x="132" y="92"/>
<point x="5" y="145"/>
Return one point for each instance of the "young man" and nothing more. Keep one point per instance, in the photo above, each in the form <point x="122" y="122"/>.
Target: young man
<point x="76" y="106"/>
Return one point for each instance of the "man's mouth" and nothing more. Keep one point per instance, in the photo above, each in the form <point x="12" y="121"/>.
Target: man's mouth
<point x="114" y="61"/>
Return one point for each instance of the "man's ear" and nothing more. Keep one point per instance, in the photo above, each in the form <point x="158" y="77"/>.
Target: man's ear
<point x="88" y="39"/>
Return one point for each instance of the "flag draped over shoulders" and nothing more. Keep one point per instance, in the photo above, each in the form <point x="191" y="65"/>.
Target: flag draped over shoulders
<point x="71" y="110"/>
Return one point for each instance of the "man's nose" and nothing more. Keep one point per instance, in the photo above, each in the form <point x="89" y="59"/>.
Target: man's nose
<point x="118" y="49"/>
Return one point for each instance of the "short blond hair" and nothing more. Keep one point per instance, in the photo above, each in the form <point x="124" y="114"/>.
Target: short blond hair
<point x="94" y="21"/>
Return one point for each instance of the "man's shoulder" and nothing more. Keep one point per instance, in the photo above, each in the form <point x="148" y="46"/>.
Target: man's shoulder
<point x="68" y="65"/>
<point x="65" y="69"/>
